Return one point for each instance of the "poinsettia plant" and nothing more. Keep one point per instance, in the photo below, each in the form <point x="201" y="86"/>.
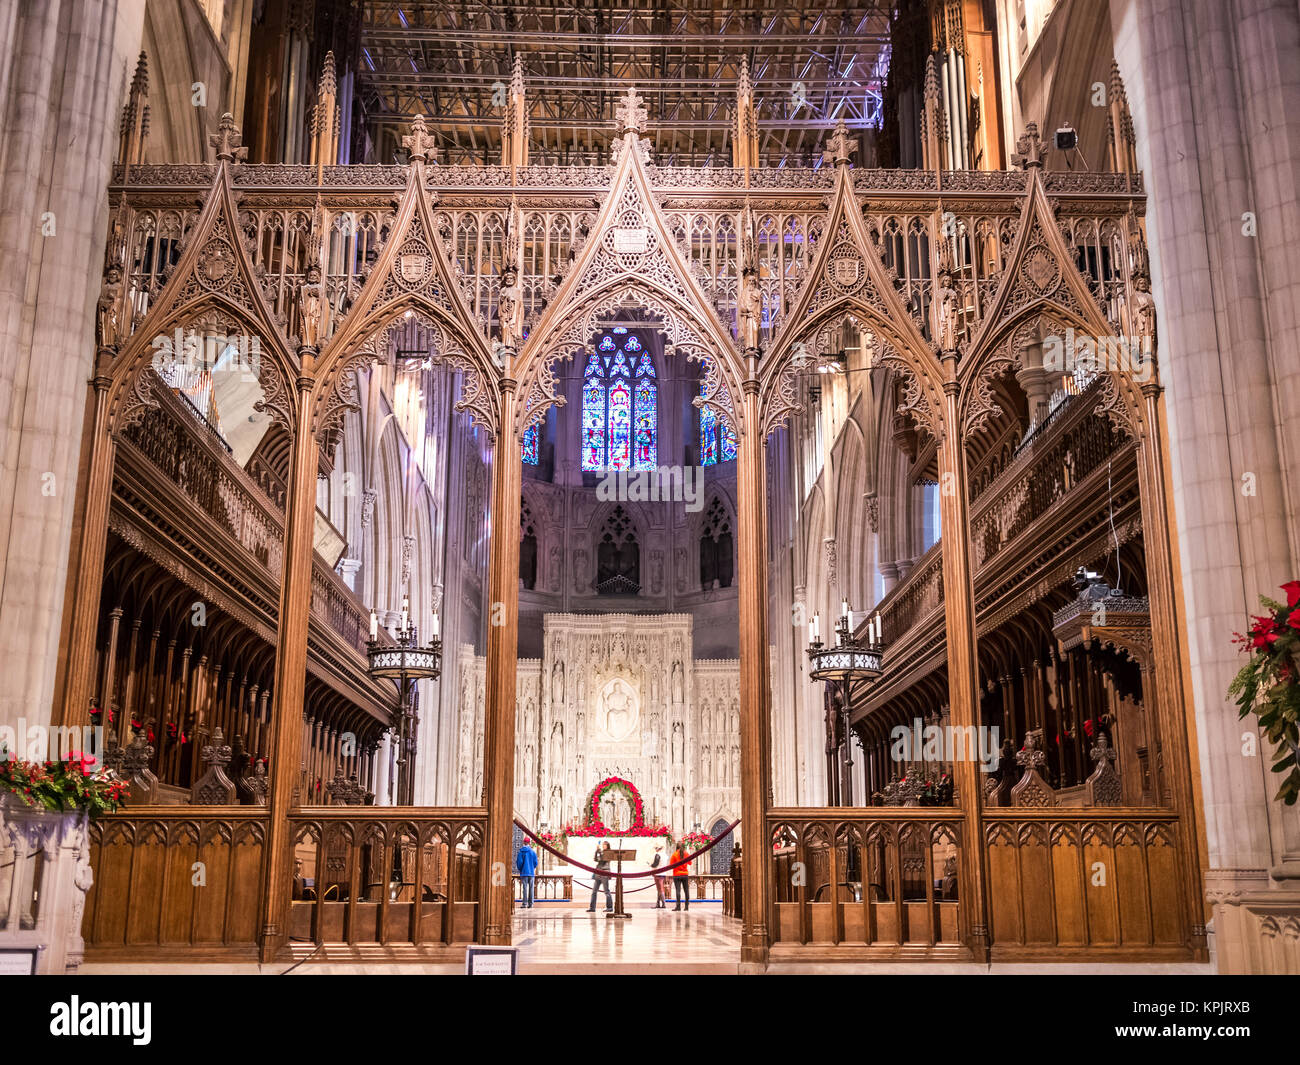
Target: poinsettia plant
<point x="1268" y="685"/>
<point x="62" y="785"/>
<point x="694" y="841"/>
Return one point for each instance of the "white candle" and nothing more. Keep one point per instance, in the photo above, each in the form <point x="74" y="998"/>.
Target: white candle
<point x="816" y="627"/>
<point x="406" y="610"/>
<point x="435" y="625"/>
<point x="844" y="609"/>
<point x="374" y="625"/>
<point x="812" y="631"/>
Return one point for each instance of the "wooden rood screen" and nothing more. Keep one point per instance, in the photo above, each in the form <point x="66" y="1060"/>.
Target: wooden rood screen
<point x="190" y="882"/>
<point x="1059" y="883"/>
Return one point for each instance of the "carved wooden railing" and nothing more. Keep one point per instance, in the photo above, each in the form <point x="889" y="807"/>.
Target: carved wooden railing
<point x="367" y="878"/>
<point x="916" y="597"/>
<point x="547" y="887"/>
<point x="1096" y="883"/>
<point x="183" y="882"/>
<point x="190" y="454"/>
<point x="880" y="879"/>
<point x="1043" y="472"/>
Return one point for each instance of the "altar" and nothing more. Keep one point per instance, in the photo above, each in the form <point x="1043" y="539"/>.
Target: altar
<point x="614" y="813"/>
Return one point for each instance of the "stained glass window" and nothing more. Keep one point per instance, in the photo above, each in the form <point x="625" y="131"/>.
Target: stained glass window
<point x="619" y="408"/>
<point x="717" y="441"/>
<point x="530" y="445"/>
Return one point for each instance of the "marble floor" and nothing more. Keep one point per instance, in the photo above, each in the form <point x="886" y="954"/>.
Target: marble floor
<point x="560" y="938"/>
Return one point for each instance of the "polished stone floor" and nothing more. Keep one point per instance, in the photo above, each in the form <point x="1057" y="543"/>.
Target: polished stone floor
<point x="563" y="938"/>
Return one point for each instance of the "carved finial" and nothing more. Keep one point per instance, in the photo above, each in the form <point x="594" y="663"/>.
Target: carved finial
<point x="418" y="143"/>
<point x="839" y="146"/>
<point x="931" y="88"/>
<point x="217" y="752"/>
<point x="135" y="117"/>
<point x="1030" y="149"/>
<point x="630" y="114"/>
<point x="1102" y="752"/>
<point x="226" y="141"/>
<point x="1030" y="757"/>
<point x="517" y="76"/>
<point x="328" y="85"/>
<point x="1117" y="83"/>
<point x="744" y="84"/>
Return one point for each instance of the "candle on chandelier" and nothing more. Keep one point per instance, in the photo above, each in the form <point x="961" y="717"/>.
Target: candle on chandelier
<point x="844" y="610"/>
<point x="374" y="625"/>
<point x="406" y="610"/>
<point x="816" y="627"/>
<point x="435" y="625"/>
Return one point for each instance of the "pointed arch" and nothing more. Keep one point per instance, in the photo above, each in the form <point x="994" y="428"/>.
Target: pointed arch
<point x="412" y="277"/>
<point x="1041" y="282"/>
<point x="848" y="280"/>
<point x="631" y="259"/>
<point x="214" y="285"/>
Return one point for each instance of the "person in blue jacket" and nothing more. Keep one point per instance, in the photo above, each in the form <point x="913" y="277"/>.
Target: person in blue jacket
<point x="526" y="866"/>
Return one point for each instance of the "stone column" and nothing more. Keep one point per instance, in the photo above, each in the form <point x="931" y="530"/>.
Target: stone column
<point x="63" y="71"/>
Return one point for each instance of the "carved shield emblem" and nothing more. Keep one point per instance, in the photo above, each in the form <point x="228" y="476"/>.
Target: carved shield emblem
<point x="412" y="266"/>
<point x="631" y="241"/>
<point x="216" y="263"/>
<point x="1040" y="270"/>
<point x="847" y="271"/>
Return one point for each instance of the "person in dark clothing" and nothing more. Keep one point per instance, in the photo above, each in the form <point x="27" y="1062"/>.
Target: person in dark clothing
<point x="661" y="882"/>
<point x="602" y="863"/>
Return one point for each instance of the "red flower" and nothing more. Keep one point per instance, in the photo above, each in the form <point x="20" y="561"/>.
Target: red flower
<point x="1293" y="619"/>
<point x="1263" y="632"/>
<point x="1088" y="726"/>
<point x="1292" y="589"/>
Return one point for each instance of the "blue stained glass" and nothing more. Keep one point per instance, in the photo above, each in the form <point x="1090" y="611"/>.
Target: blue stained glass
<point x="620" y="425"/>
<point x="619" y="408"/>
<point x="530" y="445"/>
<point x="619" y="329"/>
<point x="717" y="441"/>
<point x="643" y="455"/>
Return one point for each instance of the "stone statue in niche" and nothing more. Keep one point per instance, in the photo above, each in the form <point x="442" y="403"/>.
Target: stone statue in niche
<point x="657" y="572"/>
<point x="735" y="766"/>
<point x="580" y="570"/>
<point x="557" y="684"/>
<point x="555" y="556"/>
<point x="620" y="710"/>
<point x="580" y="724"/>
<point x="677" y="743"/>
<point x="677" y="682"/>
<point x="681" y="569"/>
<point x="557" y="744"/>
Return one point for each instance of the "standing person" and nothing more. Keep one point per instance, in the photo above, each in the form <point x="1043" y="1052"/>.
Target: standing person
<point x="661" y="883"/>
<point x="602" y="863"/>
<point x="681" y="878"/>
<point x="526" y="866"/>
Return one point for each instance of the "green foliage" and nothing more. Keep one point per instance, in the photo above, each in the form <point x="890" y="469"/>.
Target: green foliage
<point x="61" y="786"/>
<point x="1268" y="685"/>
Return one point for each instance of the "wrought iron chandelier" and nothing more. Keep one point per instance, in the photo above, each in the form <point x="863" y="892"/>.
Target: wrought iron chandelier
<point x="406" y="661"/>
<point x="844" y="662"/>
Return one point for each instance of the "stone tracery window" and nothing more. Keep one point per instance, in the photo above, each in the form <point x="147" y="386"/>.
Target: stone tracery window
<point x="620" y="419"/>
<point x="717" y="547"/>
<point x="618" y="556"/>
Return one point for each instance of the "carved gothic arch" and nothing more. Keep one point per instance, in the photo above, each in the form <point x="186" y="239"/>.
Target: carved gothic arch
<point x="847" y="280"/>
<point x="1041" y="281"/>
<point x="606" y="277"/>
<point x="413" y="276"/>
<point x="215" y="282"/>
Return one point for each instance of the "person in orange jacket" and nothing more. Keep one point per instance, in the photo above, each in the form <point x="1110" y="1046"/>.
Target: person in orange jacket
<point x="681" y="878"/>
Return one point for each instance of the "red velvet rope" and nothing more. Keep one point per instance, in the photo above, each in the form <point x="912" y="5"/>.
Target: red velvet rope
<point x="663" y="871"/>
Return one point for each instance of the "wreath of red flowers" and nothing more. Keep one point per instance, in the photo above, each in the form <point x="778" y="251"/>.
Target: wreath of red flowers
<point x="596" y="827"/>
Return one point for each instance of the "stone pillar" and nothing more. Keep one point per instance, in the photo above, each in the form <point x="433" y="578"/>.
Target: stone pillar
<point x="63" y="71"/>
<point x="1218" y="140"/>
